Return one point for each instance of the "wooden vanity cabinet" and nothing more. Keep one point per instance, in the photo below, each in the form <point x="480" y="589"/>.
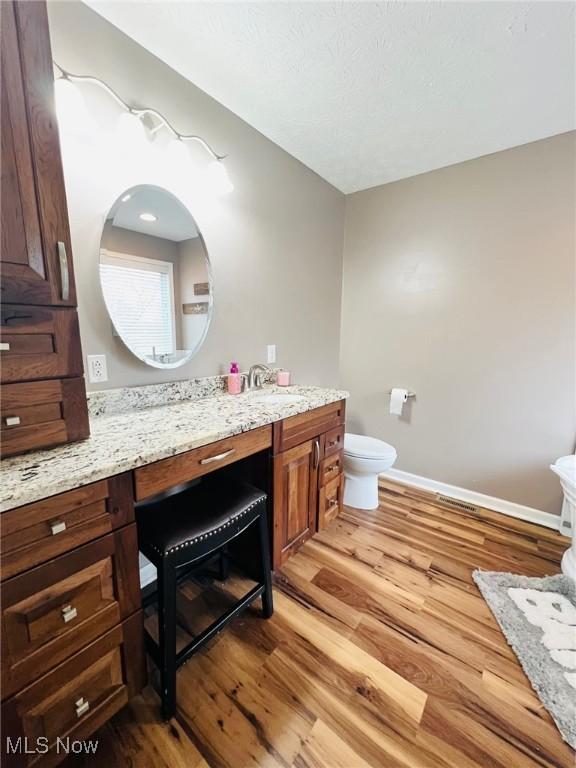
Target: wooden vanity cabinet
<point x="295" y="486"/>
<point x="72" y="636"/>
<point x="39" y="336"/>
<point x="308" y="476"/>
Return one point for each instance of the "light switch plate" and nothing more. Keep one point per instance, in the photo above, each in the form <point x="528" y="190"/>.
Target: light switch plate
<point x="271" y="353"/>
<point x="97" y="371"/>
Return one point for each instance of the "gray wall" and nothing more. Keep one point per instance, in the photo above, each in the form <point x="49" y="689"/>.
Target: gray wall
<point x="459" y="284"/>
<point x="275" y="243"/>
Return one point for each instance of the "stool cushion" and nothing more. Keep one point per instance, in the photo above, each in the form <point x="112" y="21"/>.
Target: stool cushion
<point x="193" y="516"/>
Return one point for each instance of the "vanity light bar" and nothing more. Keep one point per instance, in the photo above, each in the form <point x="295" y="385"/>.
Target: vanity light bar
<point x="65" y="75"/>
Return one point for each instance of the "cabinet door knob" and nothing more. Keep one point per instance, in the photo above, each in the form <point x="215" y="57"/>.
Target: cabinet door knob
<point x="64" y="273"/>
<point x="4" y="346"/>
<point x="82" y="706"/>
<point x="333" y="503"/>
<point x="57" y="526"/>
<point x="12" y="421"/>
<point x="69" y="613"/>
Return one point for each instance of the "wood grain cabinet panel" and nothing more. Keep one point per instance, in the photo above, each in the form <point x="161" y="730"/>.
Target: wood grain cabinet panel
<point x="39" y="343"/>
<point x="330" y="501"/>
<point x="39" y="333"/>
<point x="40" y="414"/>
<point x="308" y="476"/>
<point x="334" y="441"/>
<point x="331" y="467"/>
<point x="306" y="426"/>
<point x="37" y="532"/>
<point x="295" y="483"/>
<point x="77" y="697"/>
<point x="33" y="207"/>
<point x="25" y="272"/>
<point x="166" y="473"/>
<point x="52" y="611"/>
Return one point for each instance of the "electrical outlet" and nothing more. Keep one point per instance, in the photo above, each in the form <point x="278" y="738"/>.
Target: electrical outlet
<point x="271" y="353"/>
<point x="97" y="371"/>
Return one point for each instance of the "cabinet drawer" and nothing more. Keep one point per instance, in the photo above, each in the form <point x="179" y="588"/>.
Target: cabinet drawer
<point x="330" y="501"/>
<point x="165" y="474"/>
<point x="53" y="610"/>
<point x="77" y="697"/>
<point x="39" y="343"/>
<point x="331" y="467"/>
<point x="38" y="532"/>
<point x="334" y="441"/>
<point x="306" y="426"/>
<point x="40" y="414"/>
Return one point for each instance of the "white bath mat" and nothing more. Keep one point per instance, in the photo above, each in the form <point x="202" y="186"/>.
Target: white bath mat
<point x="538" y="619"/>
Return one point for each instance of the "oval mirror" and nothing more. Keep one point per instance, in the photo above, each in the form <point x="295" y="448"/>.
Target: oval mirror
<point x="155" y="276"/>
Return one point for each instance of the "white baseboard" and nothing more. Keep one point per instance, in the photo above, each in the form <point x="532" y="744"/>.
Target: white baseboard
<point x="519" y="511"/>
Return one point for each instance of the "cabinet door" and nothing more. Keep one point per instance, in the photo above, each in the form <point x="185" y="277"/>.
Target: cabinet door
<point x="36" y="250"/>
<point x="295" y="498"/>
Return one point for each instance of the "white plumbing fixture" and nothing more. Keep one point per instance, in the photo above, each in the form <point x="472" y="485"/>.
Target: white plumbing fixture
<point x="565" y="468"/>
<point x="364" y="459"/>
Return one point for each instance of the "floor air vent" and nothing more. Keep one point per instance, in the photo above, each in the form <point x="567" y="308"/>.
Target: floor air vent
<point x="455" y="503"/>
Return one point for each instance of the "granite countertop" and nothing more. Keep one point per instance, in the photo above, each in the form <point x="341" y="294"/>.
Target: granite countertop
<point x="124" y="441"/>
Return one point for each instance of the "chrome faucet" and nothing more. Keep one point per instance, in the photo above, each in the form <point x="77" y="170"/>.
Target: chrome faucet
<point x="255" y="376"/>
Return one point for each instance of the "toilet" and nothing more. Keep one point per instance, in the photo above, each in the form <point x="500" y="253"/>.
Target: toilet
<point x="364" y="459"/>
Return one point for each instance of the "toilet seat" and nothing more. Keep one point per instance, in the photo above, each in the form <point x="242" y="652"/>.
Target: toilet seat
<point x="363" y="447"/>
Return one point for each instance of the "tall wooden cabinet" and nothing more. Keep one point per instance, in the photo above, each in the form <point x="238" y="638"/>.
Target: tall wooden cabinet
<point x="39" y="334"/>
<point x="308" y="476"/>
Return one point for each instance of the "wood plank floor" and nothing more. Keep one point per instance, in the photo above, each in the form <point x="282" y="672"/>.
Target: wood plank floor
<point x="381" y="654"/>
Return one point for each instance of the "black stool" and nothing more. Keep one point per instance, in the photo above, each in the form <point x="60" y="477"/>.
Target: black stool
<point x="189" y="528"/>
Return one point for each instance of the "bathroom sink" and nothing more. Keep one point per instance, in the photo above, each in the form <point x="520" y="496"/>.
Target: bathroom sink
<point x="277" y="399"/>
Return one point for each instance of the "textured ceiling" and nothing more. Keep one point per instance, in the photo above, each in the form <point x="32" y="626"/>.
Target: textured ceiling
<point x="367" y="93"/>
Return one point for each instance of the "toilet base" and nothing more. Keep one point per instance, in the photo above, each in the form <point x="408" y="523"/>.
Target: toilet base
<point x="569" y="563"/>
<point x="361" y="491"/>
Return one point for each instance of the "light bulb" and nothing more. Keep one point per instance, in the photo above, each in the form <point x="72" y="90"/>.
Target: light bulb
<point x="130" y="131"/>
<point x="218" y="179"/>
<point x="71" y="109"/>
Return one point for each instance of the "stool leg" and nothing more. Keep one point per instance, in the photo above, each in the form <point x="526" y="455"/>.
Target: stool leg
<point x="167" y="637"/>
<point x="224" y="565"/>
<point x="267" y="602"/>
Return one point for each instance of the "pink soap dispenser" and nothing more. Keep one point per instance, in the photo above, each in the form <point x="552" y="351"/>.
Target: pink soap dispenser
<point x="234" y="380"/>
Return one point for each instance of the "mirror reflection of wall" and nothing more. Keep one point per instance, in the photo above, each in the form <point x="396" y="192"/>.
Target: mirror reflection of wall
<point x="155" y="277"/>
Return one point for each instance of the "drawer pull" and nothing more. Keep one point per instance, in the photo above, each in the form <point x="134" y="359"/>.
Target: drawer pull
<point x="57" y="527"/>
<point x="82" y="706"/>
<point x="12" y="421"/>
<point x="69" y="613"/>
<point x="332" y="467"/>
<point x="4" y="346"/>
<point x="333" y="503"/>
<point x="64" y="274"/>
<point x="218" y="457"/>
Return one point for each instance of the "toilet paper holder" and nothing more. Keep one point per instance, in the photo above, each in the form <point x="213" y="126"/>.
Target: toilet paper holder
<point x="408" y="394"/>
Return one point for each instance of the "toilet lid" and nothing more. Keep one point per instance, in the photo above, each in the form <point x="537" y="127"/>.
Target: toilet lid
<point x="367" y="447"/>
